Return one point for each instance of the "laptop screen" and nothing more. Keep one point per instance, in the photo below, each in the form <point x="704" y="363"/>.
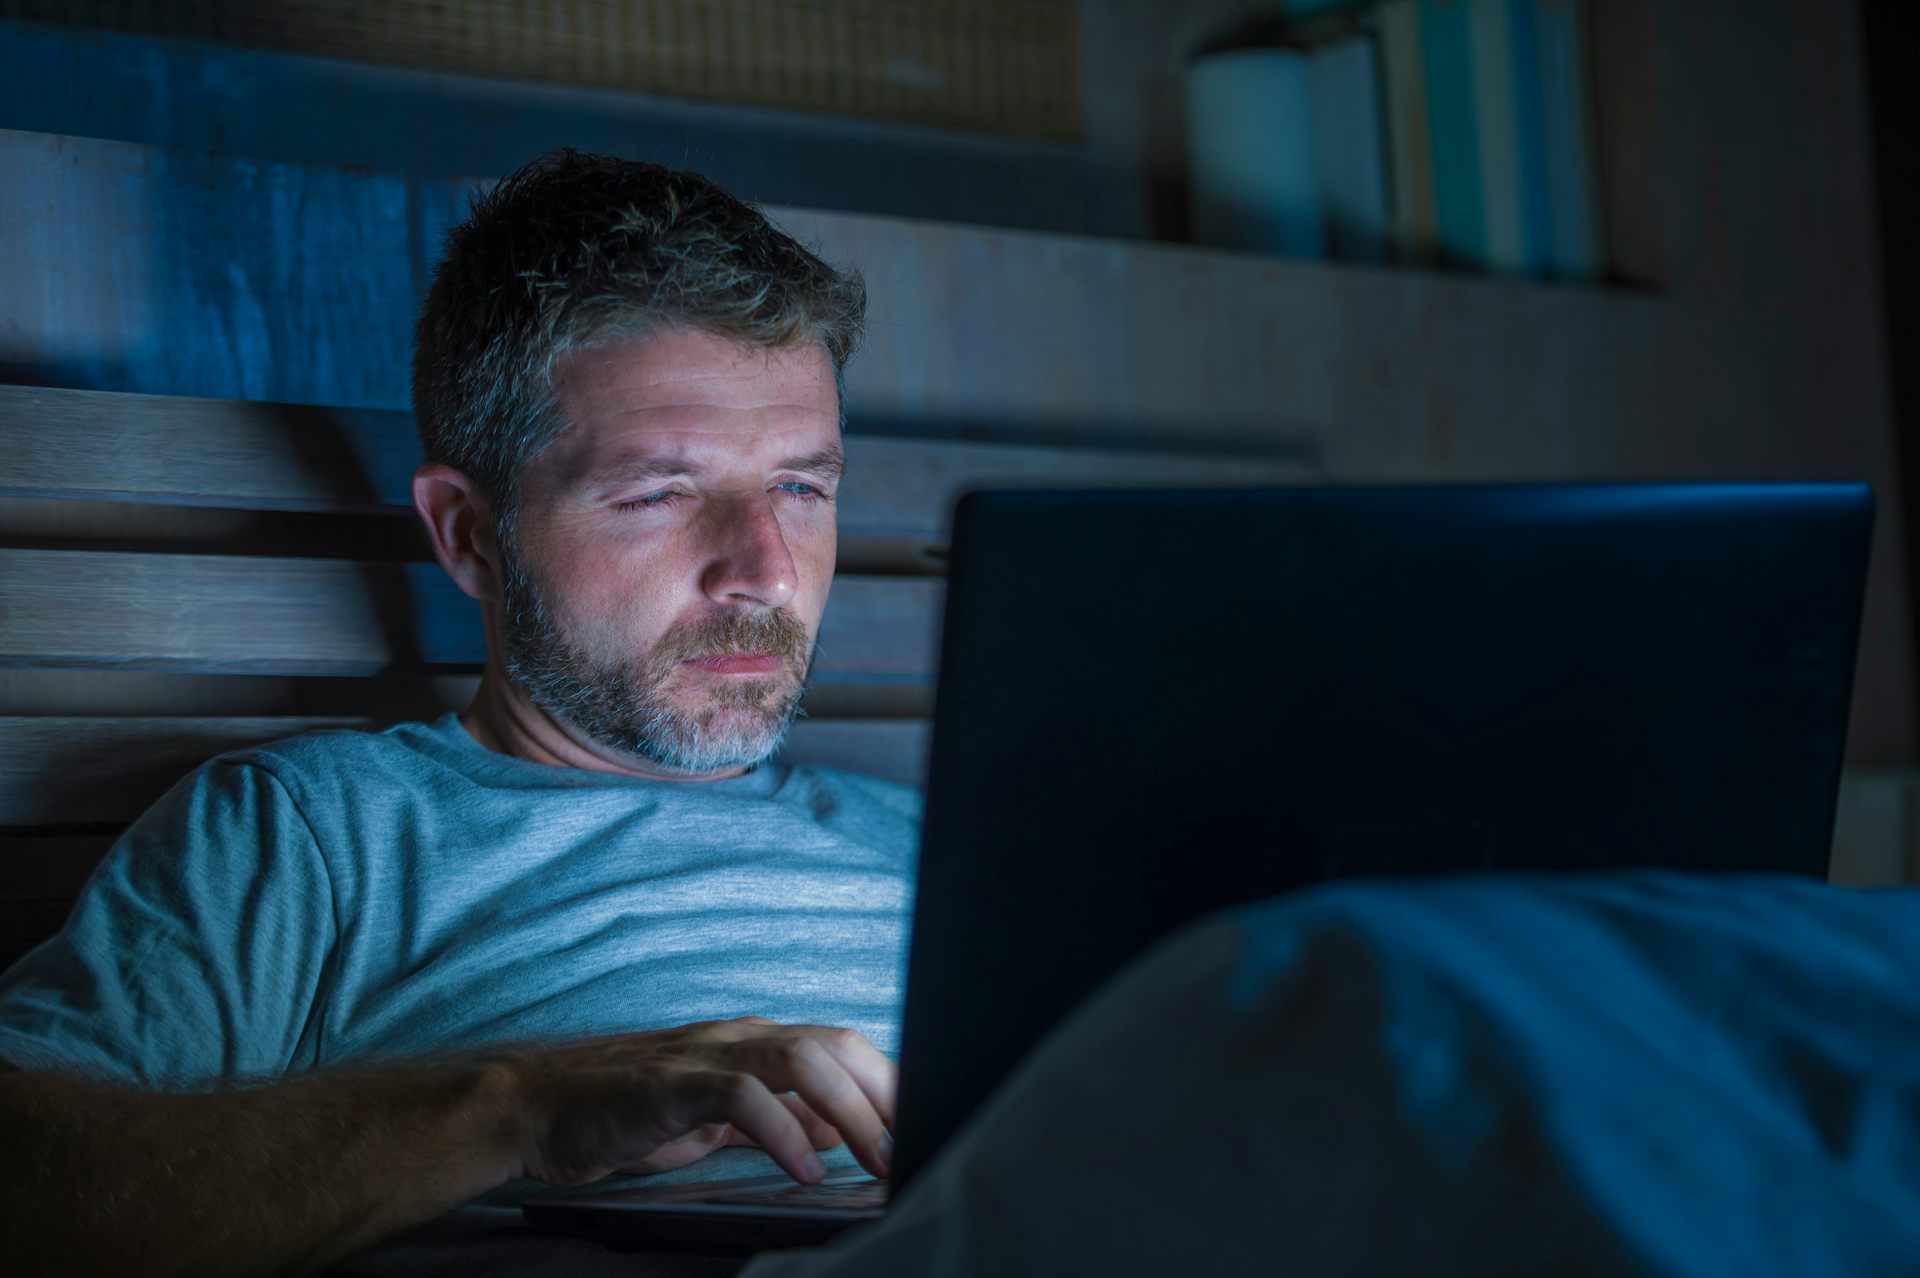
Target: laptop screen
<point x="1156" y="704"/>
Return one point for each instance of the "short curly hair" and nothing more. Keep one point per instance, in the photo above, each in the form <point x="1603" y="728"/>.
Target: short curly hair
<point x="575" y="249"/>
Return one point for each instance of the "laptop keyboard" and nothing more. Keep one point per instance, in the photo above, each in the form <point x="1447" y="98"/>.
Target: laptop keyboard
<point x="859" y="1195"/>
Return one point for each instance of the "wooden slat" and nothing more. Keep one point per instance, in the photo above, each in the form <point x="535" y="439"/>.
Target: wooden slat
<point x="219" y="614"/>
<point x="105" y="446"/>
<point x="203" y="452"/>
<point x="67" y="771"/>
<point x="909" y="486"/>
<point x="33" y="523"/>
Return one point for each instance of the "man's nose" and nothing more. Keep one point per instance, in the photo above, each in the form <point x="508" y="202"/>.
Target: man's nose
<point x="747" y="554"/>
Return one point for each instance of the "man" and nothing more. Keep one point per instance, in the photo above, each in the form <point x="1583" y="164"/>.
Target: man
<point x="339" y="985"/>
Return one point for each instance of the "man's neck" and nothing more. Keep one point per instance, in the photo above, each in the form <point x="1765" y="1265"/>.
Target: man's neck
<point x="502" y="719"/>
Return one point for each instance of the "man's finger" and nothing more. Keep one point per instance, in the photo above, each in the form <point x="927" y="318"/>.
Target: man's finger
<point x="877" y="1075"/>
<point x="799" y="1062"/>
<point x="756" y="1113"/>
<point x="823" y="1134"/>
<point x="871" y="1068"/>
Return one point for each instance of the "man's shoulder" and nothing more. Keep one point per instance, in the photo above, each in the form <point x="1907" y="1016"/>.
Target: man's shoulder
<point x="343" y="753"/>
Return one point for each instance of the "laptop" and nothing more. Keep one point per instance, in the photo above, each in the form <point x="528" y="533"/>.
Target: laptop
<point x="1157" y="704"/>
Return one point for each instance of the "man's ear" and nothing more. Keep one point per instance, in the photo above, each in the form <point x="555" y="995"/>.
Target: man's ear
<point x="460" y="527"/>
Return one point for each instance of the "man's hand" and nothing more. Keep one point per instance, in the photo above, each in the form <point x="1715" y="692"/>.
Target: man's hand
<point x="112" y="1180"/>
<point x="655" y="1101"/>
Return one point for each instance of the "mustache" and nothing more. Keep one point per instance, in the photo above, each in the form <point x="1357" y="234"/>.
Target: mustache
<point x="736" y="634"/>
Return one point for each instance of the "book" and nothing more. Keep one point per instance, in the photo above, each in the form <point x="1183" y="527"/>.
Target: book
<point x="1488" y="125"/>
<point x="1530" y="139"/>
<point x="1409" y="145"/>
<point x="1574" y="243"/>
<point x="1446" y="52"/>
<point x="1490" y="24"/>
<point x="1349" y="164"/>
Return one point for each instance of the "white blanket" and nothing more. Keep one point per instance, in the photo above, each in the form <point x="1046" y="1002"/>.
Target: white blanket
<point x="1647" y="1074"/>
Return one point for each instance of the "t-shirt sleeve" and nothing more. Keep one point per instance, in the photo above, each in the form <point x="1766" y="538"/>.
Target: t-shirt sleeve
<point x="195" y="952"/>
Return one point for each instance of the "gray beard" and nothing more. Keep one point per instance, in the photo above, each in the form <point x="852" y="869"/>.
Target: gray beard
<point x="624" y="704"/>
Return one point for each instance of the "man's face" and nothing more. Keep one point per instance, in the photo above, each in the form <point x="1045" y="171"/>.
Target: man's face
<point x="664" y="577"/>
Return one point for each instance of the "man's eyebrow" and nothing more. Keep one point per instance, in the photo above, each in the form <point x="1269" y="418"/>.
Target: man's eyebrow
<point x="626" y="470"/>
<point x="828" y="462"/>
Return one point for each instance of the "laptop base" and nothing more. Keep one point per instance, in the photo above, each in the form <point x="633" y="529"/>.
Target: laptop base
<point x="719" y="1217"/>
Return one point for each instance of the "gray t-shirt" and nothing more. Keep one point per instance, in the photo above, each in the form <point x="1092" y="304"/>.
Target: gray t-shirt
<point x="352" y="895"/>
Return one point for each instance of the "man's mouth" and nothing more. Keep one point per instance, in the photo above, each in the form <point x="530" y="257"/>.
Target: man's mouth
<point x="765" y="663"/>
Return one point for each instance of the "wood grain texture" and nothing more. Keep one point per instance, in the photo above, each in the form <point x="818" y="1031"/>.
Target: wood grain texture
<point x="224" y="614"/>
<point x="71" y="771"/>
<point x="62" y="771"/>
<point x="328" y="266"/>
<point x="908" y="487"/>
<point x="186" y="451"/>
<point x="181" y="450"/>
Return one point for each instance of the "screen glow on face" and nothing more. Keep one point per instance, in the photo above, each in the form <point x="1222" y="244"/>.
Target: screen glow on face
<point x="685" y="516"/>
<point x="639" y="703"/>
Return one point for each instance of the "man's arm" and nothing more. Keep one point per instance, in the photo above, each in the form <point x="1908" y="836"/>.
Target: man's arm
<point x="292" y="1176"/>
<point x="103" y="1179"/>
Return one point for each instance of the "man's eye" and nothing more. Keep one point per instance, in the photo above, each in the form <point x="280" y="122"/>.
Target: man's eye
<point x="648" y="502"/>
<point x="798" y="489"/>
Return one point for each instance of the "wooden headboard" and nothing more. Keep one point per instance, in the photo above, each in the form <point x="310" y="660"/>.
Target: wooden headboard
<point x="180" y="577"/>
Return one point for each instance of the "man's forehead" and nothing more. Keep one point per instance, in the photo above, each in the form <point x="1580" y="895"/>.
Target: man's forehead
<point x="663" y="459"/>
<point x="688" y="403"/>
<point x="680" y="368"/>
